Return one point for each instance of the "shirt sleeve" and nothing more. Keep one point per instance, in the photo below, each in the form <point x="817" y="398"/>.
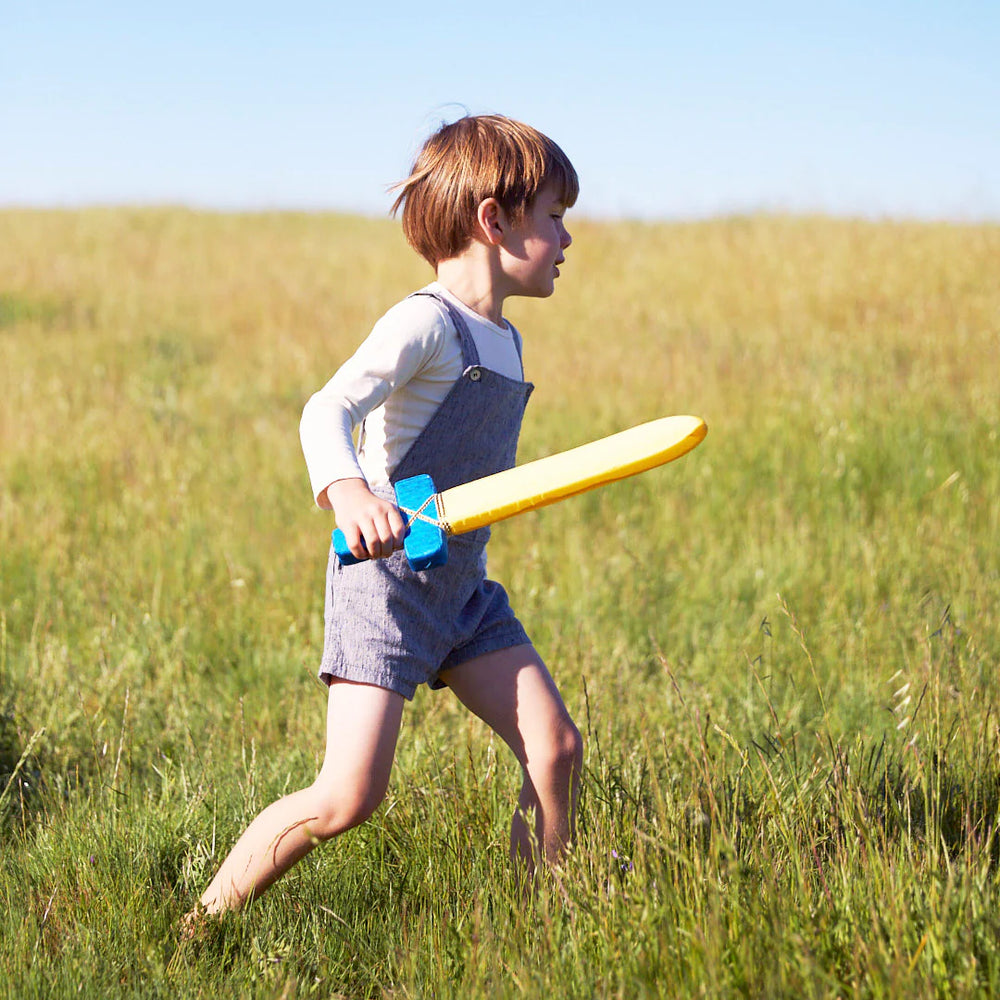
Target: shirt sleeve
<point x="406" y="340"/>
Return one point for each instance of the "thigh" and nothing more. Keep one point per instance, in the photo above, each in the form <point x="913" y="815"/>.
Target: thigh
<point x="362" y="726"/>
<point x="512" y="691"/>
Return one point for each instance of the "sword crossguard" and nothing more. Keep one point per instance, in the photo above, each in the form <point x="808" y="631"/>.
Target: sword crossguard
<point x="426" y="543"/>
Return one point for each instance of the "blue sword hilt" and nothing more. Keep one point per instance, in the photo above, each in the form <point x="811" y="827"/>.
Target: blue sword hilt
<point x="426" y="543"/>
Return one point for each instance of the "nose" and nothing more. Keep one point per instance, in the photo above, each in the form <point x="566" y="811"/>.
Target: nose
<point x="565" y="239"/>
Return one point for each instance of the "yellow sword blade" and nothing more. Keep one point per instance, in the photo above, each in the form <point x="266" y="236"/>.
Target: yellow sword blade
<point x="548" y="480"/>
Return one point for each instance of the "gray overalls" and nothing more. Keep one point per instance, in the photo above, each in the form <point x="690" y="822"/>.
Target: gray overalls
<point x="389" y="626"/>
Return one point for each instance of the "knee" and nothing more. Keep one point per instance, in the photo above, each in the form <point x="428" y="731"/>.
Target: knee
<point x="562" y="757"/>
<point x="338" y="810"/>
<point x="572" y="748"/>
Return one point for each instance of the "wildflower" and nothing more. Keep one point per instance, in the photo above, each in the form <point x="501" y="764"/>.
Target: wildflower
<point x="624" y="864"/>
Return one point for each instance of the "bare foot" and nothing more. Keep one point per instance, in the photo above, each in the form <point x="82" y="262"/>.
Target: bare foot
<point x="193" y="928"/>
<point x="194" y="924"/>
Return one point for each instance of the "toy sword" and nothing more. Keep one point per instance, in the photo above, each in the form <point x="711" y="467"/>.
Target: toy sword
<point x="431" y="516"/>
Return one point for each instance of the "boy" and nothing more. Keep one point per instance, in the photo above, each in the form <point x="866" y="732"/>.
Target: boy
<point x="437" y="388"/>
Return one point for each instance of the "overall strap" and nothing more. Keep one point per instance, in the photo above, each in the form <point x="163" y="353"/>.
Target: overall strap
<point x="470" y="353"/>
<point x="517" y="343"/>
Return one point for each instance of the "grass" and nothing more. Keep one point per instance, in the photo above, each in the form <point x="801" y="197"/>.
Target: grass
<point x="782" y="650"/>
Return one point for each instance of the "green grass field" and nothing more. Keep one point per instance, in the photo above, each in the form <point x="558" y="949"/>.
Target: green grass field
<point x="783" y="650"/>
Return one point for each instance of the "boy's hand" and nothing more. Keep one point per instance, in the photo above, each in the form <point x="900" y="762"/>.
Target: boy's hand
<point x="372" y="526"/>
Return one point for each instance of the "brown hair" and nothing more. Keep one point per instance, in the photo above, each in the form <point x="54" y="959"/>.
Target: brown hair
<point x="466" y="162"/>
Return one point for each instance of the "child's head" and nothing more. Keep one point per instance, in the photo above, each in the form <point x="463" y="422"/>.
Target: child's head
<point x="468" y="161"/>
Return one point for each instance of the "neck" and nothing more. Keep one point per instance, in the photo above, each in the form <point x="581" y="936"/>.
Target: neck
<point x="472" y="283"/>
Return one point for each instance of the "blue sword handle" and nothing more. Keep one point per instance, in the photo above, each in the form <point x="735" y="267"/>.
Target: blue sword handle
<point x="426" y="543"/>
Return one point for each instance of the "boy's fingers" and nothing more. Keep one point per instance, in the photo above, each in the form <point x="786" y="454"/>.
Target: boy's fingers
<point x="386" y="535"/>
<point x="377" y="536"/>
<point x="356" y="543"/>
<point x="389" y="531"/>
<point x="373" y="541"/>
<point x="398" y="528"/>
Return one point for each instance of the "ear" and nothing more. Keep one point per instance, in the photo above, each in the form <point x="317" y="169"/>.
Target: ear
<point x="491" y="222"/>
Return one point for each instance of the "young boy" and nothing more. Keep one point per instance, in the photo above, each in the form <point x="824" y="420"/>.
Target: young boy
<point x="437" y="388"/>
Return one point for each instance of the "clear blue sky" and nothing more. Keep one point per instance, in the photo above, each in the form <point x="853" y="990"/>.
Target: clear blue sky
<point x="875" y="108"/>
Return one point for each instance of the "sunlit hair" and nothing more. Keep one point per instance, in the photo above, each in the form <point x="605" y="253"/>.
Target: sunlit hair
<point x="468" y="161"/>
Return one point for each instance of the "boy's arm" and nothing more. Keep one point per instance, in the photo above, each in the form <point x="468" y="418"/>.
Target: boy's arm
<point x="402" y="344"/>
<point x="326" y="432"/>
<point x="406" y="340"/>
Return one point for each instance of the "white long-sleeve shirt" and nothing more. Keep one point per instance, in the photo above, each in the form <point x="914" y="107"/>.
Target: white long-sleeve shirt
<point x="394" y="383"/>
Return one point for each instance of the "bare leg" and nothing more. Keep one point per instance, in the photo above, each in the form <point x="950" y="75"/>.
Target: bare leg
<point x="362" y="726"/>
<point x="513" y="693"/>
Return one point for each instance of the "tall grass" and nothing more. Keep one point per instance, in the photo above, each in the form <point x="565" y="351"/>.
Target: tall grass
<point x="782" y="649"/>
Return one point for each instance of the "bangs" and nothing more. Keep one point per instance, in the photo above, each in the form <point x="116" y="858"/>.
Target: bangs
<point x="562" y="176"/>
